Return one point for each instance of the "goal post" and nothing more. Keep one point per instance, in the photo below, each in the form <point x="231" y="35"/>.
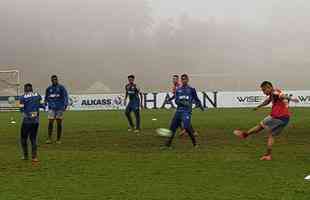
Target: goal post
<point x="9" y="89"/>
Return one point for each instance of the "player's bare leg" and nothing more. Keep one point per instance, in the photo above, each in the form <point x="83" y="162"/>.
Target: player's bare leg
<point x="245" y="134"/>
<point x="129" y="118"/>
<point x="270" y="143"/>
<point x="175" y="124"/>
<point x="24" y="143"/>
<point x="34" y="146"/>
<point x="194" y="131"/>
<point x="50" y="131"/>
<point x="138" y="121"/>
<point x="183" y="132"/>
<point x="190" y="132"/>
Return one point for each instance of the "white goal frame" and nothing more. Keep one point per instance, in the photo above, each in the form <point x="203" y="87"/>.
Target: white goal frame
<point x="16" y="84"/>
<point x="6" y="105"/>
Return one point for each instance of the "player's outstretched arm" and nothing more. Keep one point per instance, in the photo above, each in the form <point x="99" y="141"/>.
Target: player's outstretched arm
<point x="171" y="98"/>
<point x="66" y="98"/>
<point x="265" y="103"/>
<point x="290" y="98"/>
<point x="126" y="96"/>
<point x="21" y="104"/>
<point x="46" y="97"/>
<point x="197" y="100"/>
<point x="141" y="99"/>
<point x="294" y="99"/>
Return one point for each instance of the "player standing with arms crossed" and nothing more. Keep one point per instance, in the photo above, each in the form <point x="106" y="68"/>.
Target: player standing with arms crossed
<point x="135" y="102"/>
<point x="185" y="96"/>
<point x="30" y="104"/>
<point x="57" y="99"/>
<point x="276" y="121"/>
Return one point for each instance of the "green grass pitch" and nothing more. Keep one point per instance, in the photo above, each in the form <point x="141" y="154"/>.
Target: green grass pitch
<point x="100" y="160"/>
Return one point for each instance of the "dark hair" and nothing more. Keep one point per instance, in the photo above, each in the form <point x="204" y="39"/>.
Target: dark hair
<point x="54" y="76"/>
<point x="184" y="76"/>
<point x="28" y="87"/>
<point x="266" y="83"/>
<point x="131" y="76"/>
<point x="175" y="76"/>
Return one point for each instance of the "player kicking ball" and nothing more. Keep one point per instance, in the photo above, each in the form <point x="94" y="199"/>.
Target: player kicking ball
<point x="276" y="121"/>
<point x="135" y="102"/>
<point x="185" y="96"/>
<point x="30" y="104"/>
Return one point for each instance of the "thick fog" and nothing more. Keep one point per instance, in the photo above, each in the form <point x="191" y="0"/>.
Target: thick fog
<point x="93" y="45"/>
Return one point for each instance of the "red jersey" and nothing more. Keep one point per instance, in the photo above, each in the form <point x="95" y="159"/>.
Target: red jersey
<point x="175" y="87"/>
<point x="280" y="106"/>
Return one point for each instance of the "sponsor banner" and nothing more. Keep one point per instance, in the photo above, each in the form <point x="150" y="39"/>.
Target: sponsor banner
<point x="302" y="96"/>
<point x="97" y="102"/>
<point x="160" y="100"/>
<point x="157" y="100"/>
<point x="252" y="99"/>
<point x="240" y="99"/>
<point x="116" y="101"/>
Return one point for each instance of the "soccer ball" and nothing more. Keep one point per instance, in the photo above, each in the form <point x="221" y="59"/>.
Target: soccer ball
<point x="11" y="100"/>
<point x="164" y="132"/>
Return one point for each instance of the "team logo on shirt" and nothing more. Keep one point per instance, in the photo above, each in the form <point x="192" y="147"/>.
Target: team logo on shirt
<point x="54" y="95"/>
<point x="30" y="95"/>
<point x="184" y="97"/>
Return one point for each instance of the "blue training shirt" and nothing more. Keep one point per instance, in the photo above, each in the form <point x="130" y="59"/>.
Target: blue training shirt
<point x="133" y="91"/>
<point x="185" y="97"/>
<point x="56" y="97"/>
<point x="30" y="107"/>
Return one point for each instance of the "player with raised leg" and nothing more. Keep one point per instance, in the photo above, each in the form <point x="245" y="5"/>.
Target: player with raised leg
<point x="30" y="104"/>
<point x="57" y="99"/>
<point x="135" y="102"/>
<point x="185" y="96"/>
<point x="276" y="121"/>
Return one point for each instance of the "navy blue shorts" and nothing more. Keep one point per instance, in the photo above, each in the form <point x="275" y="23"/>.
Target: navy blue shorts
<point x="181" y="118"/>
<point x="275" y="125"/>
<point x="132" y="107"/>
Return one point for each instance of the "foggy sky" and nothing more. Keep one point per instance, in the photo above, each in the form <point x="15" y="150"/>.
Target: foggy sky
<point x="225" y="45"/>
<point x="246" y="11"/>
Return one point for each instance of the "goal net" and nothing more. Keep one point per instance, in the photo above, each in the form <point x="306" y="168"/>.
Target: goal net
<point x="9" y="89"/>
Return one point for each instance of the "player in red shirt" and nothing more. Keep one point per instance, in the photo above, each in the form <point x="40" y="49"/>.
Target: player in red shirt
<point x="276" y="121"/>
<point x="176" y="83"/>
